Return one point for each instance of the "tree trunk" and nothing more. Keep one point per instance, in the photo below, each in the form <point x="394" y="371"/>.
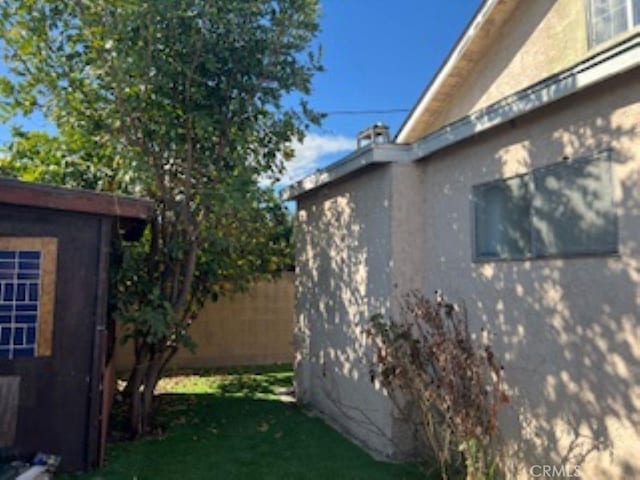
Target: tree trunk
<point x="128" y="390"/>
<point x="143" y="380"/>
<point x="136" y="387"/>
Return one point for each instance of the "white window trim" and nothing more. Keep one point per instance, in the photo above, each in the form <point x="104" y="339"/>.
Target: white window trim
<point x="590" y="27"/>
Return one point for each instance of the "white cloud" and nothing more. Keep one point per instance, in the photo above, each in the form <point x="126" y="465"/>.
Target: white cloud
<point x="310" y="154"/>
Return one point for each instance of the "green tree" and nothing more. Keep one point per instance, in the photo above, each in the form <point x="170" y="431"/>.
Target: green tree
<point x="187" y="102"/>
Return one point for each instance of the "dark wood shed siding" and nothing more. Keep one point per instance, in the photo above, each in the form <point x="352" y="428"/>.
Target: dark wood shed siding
<point x="58" y="393"/>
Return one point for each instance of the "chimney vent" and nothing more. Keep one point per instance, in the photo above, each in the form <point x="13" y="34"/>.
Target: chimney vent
<point x="375" y="134"/>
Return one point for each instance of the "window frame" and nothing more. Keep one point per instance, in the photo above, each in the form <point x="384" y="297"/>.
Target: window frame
<point x="48" y="248"/>
<point x="605" y="155"/>
<point x="631" y="23"/>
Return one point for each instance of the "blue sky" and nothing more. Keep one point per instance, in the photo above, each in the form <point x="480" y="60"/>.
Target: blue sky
<point x="378" y="55"/>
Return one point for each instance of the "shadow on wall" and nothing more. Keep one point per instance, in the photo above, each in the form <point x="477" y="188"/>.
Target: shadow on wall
<point x="567" y="329"/>
<point x="343" y="278"/>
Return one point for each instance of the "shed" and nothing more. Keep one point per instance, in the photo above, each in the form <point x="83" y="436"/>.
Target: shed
<point x="55" y="353"/>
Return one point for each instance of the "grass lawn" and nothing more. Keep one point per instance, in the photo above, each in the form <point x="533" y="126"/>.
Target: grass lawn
<point x="236" y="426"/>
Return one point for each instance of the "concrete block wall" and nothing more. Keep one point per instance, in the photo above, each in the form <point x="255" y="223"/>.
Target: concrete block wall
<point x="253" y="328"/>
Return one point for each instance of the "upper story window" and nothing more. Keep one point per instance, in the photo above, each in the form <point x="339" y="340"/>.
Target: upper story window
<point x="608" y="18"/>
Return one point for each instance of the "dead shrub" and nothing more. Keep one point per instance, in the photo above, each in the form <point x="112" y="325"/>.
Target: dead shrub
<point x="453" y="383"/>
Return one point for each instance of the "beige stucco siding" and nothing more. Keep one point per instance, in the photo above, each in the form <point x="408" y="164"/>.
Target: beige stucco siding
<point x="538" y="39"/>
<point x="512" y="46"/>
<point x="567" y="329"/>
<point x="344" y="277"/>
<point x="408" y="226"/>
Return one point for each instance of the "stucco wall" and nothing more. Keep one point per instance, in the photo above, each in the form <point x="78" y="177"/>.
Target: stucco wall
<point x="567" y="329"/>
<point x="344" y="277"/>
<point x="519" y="44"/>
<point x="538" y="39"/>
<point x="408" y="226"/>
<point x="253" y="328"/>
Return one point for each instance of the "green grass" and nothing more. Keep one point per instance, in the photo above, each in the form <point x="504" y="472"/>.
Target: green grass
<point x="236" y="426"/>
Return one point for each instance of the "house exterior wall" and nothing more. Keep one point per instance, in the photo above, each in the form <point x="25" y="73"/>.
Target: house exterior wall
<point x="567" y="329"/>
<point x="408" y="227"/>
<point x="343" y="277"/>
<point x="252" y="328"/>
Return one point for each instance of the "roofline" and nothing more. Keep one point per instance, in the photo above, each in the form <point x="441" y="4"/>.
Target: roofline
<point x="16" y="192"/>
<point x="618" y="59"/>
<point x="356" y="160"/>
<point x="464" y="40"/>
<point x="598" y="68"/>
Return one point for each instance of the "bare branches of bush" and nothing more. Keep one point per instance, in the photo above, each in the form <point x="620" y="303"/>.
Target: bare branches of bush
<point x="430" y="362"/>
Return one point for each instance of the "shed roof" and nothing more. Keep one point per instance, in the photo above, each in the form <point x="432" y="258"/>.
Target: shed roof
<point x="16" y="192"/>
<point x="132" y="213"/>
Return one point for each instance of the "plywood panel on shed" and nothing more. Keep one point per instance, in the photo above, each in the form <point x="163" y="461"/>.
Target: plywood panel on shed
<point x="9" y="395"/>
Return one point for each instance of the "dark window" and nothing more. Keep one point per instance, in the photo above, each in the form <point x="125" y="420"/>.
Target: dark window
<point x="565" y="209"/>
<point x="19" y="293"/>
<point x="500" y="210"/>
<point x="573" y="211"/>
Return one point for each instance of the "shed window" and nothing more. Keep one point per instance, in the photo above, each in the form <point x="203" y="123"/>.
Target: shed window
<point x="27" y="282"/>
<point x="608" y="18"/>
<point x="565" y="209"/>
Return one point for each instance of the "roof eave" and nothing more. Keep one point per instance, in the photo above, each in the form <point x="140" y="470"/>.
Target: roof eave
<point x="481" y="16"/>
<point x="16" y="192"/>
<point x="600" y="67"/>
<point x="614" y="61"/>
<point x="356" y="160"/>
